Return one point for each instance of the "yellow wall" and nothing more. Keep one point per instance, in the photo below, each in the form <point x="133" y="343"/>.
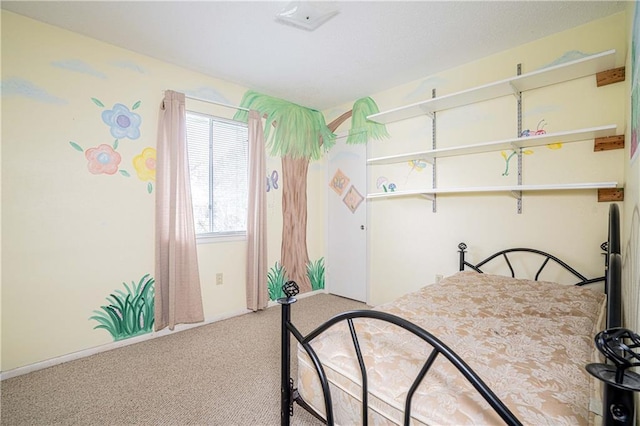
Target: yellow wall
<point x="69" y="237"/>
<point x="409" y="244"/>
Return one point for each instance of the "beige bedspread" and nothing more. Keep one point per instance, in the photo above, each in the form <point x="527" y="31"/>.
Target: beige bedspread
<point x="529" y="341"/>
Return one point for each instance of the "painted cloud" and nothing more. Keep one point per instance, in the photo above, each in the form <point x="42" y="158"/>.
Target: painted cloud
<point x="77" y="65"/>
<point x="21" y="87"/>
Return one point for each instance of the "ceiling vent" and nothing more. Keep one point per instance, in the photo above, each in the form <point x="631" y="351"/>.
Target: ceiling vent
<point x="305" y="15"/>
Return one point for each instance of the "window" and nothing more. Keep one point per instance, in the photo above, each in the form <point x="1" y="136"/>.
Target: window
<point x="218" y="151"/>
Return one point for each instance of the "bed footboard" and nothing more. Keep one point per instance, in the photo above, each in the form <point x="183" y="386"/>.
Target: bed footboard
<point x="286" y="382"/>
<point x="438" y="348"/>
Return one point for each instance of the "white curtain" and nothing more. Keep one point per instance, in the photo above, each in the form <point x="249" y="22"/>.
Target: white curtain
<point x="257" y="295"/>
<point x="177" y="289"/>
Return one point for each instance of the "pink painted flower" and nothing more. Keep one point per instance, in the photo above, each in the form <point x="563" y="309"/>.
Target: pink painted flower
<point x="102" y="159"/>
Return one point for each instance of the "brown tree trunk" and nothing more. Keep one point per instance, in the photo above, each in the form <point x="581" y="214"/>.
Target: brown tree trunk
<point x="294" y="253"/>
<point x="338" y="121"/>
<point x="294" y="220"/>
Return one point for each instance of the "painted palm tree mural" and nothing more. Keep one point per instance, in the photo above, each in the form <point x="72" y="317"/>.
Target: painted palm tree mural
<point x="299" y="135"/>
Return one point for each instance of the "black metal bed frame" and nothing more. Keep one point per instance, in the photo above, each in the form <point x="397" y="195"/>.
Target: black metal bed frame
<point x="547" y="257"/>
<point x="618" y="404"/>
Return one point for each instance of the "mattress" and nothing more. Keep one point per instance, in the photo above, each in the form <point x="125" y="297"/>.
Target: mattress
<point x="528" y="340"/>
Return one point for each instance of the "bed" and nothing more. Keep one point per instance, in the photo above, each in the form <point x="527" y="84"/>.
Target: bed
<point x="475" y="348"/>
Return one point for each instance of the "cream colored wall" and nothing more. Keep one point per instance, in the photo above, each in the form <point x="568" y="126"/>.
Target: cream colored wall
<point x="409" y="244"/>
<point x="69" y="237"/>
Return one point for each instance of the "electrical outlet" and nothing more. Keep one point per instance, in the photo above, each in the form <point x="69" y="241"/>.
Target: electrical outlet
<point x="219" y="278"/>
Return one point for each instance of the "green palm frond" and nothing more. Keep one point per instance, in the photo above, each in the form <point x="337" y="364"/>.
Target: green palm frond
<point x="362" y="129"/>
<point x="299" y="132"/>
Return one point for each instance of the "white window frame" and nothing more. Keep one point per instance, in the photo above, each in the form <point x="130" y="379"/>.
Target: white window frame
<point x="217" y="237"/>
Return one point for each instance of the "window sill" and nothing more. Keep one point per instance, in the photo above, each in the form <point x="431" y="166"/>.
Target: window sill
<point x="210" y="239"/>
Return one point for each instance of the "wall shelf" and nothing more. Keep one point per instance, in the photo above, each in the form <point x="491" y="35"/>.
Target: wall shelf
<point x="511" y="86"/>
<point x="605" y="138"/>
<point x="430" y="192"/>
<point x="513" y="143"/>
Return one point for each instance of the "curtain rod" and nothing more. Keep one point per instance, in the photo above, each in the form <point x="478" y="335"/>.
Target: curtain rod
<point x="216" y="103"/>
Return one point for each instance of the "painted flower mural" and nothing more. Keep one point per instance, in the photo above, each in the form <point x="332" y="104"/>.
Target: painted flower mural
<point x="102" y="160"/>
<point x="145" y="165"/>
<point x="123" y="123"/>
<point x="507" y="159"/>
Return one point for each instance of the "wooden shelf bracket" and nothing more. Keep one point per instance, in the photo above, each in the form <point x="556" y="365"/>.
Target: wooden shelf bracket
<point x="608" y="142"/>
<point x="610" y="194"/>
<point x="611" y="76"/>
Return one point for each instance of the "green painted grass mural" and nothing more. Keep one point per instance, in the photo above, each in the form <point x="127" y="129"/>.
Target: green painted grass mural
<point x="275" y="279"/>
<point x="277" y="276"/>
<point x="128" y="313"/>
<point x="315" y="271"/>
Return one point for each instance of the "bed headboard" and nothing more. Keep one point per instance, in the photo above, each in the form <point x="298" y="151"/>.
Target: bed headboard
<point x="618" y="405"/>
<point x="613" y="284"/>
<point x="546" y="258"/>
<point x="609" y="247"/>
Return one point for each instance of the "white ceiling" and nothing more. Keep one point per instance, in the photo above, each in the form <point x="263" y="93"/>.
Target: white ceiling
<point x="366" y="48"/>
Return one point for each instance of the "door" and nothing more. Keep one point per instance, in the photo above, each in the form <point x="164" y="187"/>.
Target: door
<point x="346" y="269"/>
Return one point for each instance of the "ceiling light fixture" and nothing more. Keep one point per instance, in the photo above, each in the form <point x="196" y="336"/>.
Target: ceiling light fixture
<point x="305" y="15"/>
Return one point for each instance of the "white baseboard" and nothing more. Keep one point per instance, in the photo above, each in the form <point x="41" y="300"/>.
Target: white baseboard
<point x="131" y="341"/>
<point x="109" y="346"/>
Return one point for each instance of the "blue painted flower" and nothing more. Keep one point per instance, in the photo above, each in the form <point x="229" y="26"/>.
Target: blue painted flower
<point x="123" y="123"/>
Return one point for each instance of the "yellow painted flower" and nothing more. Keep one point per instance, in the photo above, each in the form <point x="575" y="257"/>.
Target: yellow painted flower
<point x="145" y="164"/>
<point x="556" y="145"/>
<point x="527" y="152"/>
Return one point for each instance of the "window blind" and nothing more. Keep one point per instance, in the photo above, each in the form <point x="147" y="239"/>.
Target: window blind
<point x="218" y="156"/>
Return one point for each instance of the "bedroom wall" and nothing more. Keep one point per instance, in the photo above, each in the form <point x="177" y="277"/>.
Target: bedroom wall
<point x="409" y="244"/>
<point x="69" y="237"/>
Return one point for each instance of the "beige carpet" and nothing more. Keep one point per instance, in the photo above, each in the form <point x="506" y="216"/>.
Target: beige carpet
<point x="226" y="373"/>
